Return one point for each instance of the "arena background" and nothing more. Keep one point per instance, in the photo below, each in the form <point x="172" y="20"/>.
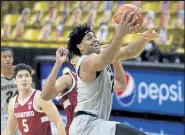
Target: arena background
<point x="154" y="100"/>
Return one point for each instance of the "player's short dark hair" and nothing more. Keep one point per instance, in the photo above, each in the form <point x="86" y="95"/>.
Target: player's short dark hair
<point x="76" y="36"/>
<point x="7" y="49"/>
<point x="20" y="67"/>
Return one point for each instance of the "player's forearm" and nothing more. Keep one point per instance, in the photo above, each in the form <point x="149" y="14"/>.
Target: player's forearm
<point x="49" y="85"/>
<point x="119" y="76"/>
<point x="133" y="49"/>
<point x="60" y="127"/>
<point x="7" y="132"/>
<point x="109" y="54"/>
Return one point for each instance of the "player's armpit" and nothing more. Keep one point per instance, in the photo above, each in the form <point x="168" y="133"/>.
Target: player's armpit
<point x="51" y="111"/>
<point x="11" y="122"/>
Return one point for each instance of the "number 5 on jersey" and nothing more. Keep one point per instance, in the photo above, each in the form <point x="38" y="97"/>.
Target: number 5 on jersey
<point x="25" y="125"/>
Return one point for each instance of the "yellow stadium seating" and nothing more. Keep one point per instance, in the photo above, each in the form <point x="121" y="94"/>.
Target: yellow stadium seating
<point x="173" y="7"/>
<point x="41" y="6"/>
<point x="180" y="50"/>
<point x="129" y="38"/>
<point x="10" y="19"/>
<point x="146" y="6"/>
<point x="31" y="34"/>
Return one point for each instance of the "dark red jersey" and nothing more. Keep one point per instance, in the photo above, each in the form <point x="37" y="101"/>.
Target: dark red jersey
<point x="31" y="121"/>
<point x="68" y="99"/>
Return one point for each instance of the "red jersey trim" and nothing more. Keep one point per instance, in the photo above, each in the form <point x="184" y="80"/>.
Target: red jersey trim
<point x="34" y="105"/>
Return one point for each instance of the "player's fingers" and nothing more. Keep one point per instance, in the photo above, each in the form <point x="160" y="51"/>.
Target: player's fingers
<point x="159" y="36"/>
<point x="138" y="27"/>
<point x="141" y="34"/>
<point x="134" y="27"/>
<point x="123" y="18"/>
<point x="149" y="30"/>
<point x="132" y="22"/>
<point x="128" y="18"/>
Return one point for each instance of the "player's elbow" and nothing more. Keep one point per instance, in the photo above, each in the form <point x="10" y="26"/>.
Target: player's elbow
<point x="120" y="86"/>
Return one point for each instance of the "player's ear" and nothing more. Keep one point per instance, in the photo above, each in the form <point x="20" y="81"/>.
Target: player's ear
<point x="80" y="47"/>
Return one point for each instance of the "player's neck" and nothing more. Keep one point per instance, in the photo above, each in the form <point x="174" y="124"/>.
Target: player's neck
<point x="7" y="72"/>
<point x="25" y="93"/>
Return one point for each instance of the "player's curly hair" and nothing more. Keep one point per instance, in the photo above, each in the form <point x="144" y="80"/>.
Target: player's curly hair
<point x="20" y="67"/>
<point x="76" y="36"/>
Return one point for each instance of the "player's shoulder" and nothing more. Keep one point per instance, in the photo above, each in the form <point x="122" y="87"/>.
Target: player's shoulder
<point x="12" y="100"/>
<point x="88" y="58"/>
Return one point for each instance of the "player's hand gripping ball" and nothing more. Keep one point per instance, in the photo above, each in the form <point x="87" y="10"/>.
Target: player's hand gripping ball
<point x="128" y="8"/>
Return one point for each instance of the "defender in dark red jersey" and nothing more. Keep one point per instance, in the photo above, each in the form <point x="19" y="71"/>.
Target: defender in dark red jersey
<point x="28" y="110"/>
<point x="63" y="88"/>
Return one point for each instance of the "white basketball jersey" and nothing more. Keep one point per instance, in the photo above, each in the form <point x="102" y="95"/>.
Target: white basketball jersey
<point x="8" y="91"/>
<point x="95" y="97"/>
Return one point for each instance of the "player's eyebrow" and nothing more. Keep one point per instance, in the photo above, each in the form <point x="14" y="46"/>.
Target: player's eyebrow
<point x="88" y="35"/>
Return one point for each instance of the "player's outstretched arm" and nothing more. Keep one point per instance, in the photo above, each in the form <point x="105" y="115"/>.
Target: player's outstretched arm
<point x="12" y="122"/>
<point x="53" y="87"/>
<point x="51" y="111"/>
<point x="97" y="62"/>
<point x="134" y="49"/>
<point x="119" y="76"/>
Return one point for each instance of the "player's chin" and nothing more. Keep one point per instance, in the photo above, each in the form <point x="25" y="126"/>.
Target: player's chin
<point x="97" y="50"/>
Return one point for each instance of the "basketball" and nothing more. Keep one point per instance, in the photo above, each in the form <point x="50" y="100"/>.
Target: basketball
<point x="128" y="8"/>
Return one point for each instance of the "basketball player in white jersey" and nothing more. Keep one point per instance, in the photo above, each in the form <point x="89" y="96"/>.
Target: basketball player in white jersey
<point x="64" y="88"/>
<point x="28" y="111"/>
<point x="95" y="78"/>
<point x="8" y="87"/>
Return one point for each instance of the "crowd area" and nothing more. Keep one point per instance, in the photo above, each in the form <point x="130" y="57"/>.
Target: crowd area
<point x="51" y="21"/>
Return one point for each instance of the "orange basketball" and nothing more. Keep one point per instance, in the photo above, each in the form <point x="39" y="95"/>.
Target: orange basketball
<point x="128" y="8"/>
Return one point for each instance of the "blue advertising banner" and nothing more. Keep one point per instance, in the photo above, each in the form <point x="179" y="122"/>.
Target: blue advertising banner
<point x="147" y="126"/>
<point x="148" y="90"/>
<point x="152" y="91"/>
<point x="152" y="127"/>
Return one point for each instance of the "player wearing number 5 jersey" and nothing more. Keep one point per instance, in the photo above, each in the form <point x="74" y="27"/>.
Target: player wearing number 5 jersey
<point x="8" y="87"/>
<point x="28" y="110"/>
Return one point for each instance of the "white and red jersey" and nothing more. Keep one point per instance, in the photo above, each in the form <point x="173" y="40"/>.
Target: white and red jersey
<point x="31" y="121"/>
<point x="68" y="99"/>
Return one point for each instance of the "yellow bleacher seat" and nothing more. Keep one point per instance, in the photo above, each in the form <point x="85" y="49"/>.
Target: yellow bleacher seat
<point x="146" y="6"/>
<point x="41" y="6"/>
<point x="10" y="19"/>
<point x="129" y="38"/>
<point x="172" y="22"/>
<point x="173" y="6"/>
<point x="31" y="34"/>
<point x="157" y="22"/>
<point x="180" y="50"/>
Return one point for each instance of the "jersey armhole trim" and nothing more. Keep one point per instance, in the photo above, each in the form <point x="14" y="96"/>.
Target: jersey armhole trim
<point x="34" y="106"/>
<point x="13" y="102"/>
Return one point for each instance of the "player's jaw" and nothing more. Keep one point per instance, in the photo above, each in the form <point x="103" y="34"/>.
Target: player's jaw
<point x="24" y="86"/>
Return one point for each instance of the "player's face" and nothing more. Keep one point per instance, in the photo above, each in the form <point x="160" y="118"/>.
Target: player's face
<point x="90" y="44"/>
<point x="23" y="80"/>
<point x="6" y="59"/>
